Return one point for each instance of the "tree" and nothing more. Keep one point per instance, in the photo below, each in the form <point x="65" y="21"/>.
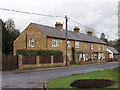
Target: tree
<point x="10" y="24"/>
<point x="5" y="34"/>
<point x="9" y="34"/>
<point x="117" y="45"/>
<point x="102" y="37"/>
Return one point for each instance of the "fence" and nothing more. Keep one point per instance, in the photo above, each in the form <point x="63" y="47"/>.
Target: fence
<point x="21" y="61"/>
<point x="112" y="59"/>
<point x="45" y="59"/>
<point x="29" y="59"/>
<point x="9" y="62"/>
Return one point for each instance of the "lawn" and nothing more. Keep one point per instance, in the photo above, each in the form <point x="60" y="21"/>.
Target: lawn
<point x="64" y="82"/>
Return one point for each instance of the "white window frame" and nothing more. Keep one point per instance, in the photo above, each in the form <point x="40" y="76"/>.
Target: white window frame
<point x="86" y="45"/>
<point x="31" y="43"/>
<point x="69" y="57"/>
<point x="55" y="43"/>
<point x="92" y="46"/>
<point x="103" y="48"/>
<point x="77" y="44"/>
<point x="99" y="47"/>
<point x="68" y="44"/>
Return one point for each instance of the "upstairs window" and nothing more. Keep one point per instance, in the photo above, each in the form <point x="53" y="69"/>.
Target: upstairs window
<point x="92" y="46"/>
<point x="99" y="47"/>
<point x="77" y="44"/>
<point x="86" y="45"/>
<point x="31" y="43"/>
<point x="68" y="43"/>
<point x="103" y="47"/>
<point x="55" y="43"/>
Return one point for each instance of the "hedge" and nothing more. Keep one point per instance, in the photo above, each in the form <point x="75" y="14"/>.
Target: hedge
<point x="38" y="52"/>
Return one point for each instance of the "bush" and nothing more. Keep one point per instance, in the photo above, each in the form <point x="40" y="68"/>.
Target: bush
<point x="38" y="52"/>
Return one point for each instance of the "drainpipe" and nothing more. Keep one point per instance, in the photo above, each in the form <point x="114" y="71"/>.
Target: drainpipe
<point x="26" y="41"/>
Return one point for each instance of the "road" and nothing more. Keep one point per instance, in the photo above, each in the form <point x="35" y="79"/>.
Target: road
<point x="37" y="78"/>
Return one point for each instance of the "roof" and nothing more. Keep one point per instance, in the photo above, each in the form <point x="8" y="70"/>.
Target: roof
<point x="98" y="52"/>
<point x="60" y="33"/>
<point x="84" y="52"/>
<point x="113" y="50"/>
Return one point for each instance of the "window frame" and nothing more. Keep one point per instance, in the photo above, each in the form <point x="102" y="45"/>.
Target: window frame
<point x="77" y="44"/>
<point x="31" y="43"/>
<point x="86" y="45"/>
<point x="92" y="46"/>
<point x="55" y="43"/>
<point x="68" y="44"/>
<point x="69" y="56"/>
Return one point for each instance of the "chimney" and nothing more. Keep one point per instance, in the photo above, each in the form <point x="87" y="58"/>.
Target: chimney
<point x="76" y="29"/>
<point x="59" y="25"/>
<point x="90" y="32"/>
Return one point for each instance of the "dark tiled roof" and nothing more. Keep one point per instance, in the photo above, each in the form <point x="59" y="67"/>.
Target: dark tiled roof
<point x="113" y="50"/>
<point x="54" y="32"/>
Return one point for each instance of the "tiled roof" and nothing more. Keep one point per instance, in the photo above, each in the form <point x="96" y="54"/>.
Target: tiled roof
<point x="54" y="32"/>
<point x="113" y="50"/>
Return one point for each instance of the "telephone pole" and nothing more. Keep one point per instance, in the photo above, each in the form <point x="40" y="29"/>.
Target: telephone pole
<point x="66" y="28"/>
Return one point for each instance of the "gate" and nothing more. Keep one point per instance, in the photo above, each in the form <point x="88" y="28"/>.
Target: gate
<point x="9" y="62"/>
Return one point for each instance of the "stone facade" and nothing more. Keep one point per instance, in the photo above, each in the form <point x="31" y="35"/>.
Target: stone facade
<point x="41" y="41"/>
<point x="32" y="34"/>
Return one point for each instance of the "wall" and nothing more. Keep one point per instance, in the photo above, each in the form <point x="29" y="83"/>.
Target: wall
<point x="37" y="64"/>
<point x="62" y="45"/>
<point x="32" y="34"/>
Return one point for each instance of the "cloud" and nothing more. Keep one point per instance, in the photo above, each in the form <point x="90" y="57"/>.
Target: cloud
<point x="99" y="15"/>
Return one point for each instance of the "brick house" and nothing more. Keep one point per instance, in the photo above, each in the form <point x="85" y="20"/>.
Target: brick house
<point x="113" y="53"/>
<point x="80" y="46"/>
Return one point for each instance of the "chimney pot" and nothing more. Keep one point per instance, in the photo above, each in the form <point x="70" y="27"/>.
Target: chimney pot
<point x="59" y="25"/>
<point x="90" y="32"/>
<point x="76" y="29"/>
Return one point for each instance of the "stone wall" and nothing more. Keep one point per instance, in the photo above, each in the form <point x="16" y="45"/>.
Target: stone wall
<point x="32" y="34"/>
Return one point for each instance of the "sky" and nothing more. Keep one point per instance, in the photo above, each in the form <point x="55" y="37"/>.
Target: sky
<point x="99" y="15"/>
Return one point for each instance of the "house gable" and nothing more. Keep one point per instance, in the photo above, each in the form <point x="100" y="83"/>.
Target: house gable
<point x="33" y="33"/>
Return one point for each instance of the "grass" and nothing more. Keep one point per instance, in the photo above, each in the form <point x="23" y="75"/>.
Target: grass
<point x="64" y="82"/>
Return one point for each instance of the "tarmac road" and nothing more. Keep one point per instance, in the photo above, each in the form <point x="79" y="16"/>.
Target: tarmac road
<point x="37" y="78"/>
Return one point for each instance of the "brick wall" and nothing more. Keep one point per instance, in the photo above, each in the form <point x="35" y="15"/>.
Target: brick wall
<point x="32" y="34"/>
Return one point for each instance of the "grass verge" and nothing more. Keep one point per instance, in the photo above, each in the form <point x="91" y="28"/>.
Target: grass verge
<point x="64" y="82"/>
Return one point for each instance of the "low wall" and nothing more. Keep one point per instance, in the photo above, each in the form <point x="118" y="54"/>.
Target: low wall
<point x="37" y="64"/>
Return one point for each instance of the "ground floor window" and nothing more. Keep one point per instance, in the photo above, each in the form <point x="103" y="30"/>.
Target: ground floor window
<point x="69" y="57"/>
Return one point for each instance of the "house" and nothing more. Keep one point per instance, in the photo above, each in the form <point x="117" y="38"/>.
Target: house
<point x="80" y="46"/>
<point x="113" y="53"/>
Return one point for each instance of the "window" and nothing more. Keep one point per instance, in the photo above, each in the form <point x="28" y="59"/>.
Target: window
<point x="55" y="43"/>
<point x="103" y="47"/>
<point x="86" y="45"/>
<point x="69" y="57"/>
<point x="31" y="43"/>
<point x="77" y="44"/>
<point x="99" y="47"/>
<point x="68" y="43"/>
<point x="79" y="57"/>
<point x="92" y="47"/>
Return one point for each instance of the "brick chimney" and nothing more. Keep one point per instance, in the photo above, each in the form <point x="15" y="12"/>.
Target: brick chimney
<point x="59" y="25"/>
<point x="76" y="29"/>
<point x="90" y="32"/>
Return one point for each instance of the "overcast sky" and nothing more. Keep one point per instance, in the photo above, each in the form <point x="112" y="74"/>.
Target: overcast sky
<point x="100" y="15"/>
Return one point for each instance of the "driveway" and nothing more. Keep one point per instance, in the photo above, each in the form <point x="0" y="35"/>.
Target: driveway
<point x="37" y="78"/>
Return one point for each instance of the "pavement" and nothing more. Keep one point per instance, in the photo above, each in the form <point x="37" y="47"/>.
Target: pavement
<point x="36" y="78"/>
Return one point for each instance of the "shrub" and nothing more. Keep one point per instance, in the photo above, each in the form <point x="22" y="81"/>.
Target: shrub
<point x="38" y="52"/>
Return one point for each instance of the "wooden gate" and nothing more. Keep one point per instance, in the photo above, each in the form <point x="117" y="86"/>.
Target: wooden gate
<point x="9" y="62"/>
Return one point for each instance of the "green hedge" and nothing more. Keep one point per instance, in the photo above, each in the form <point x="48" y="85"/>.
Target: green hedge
<point x="38" y="52"/>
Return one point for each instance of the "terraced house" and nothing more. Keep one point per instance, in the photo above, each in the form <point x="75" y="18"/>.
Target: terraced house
<point x="80" y="46"/>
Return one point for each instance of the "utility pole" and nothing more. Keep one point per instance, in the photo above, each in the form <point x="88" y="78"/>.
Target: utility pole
<point x="66" y="27"/>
